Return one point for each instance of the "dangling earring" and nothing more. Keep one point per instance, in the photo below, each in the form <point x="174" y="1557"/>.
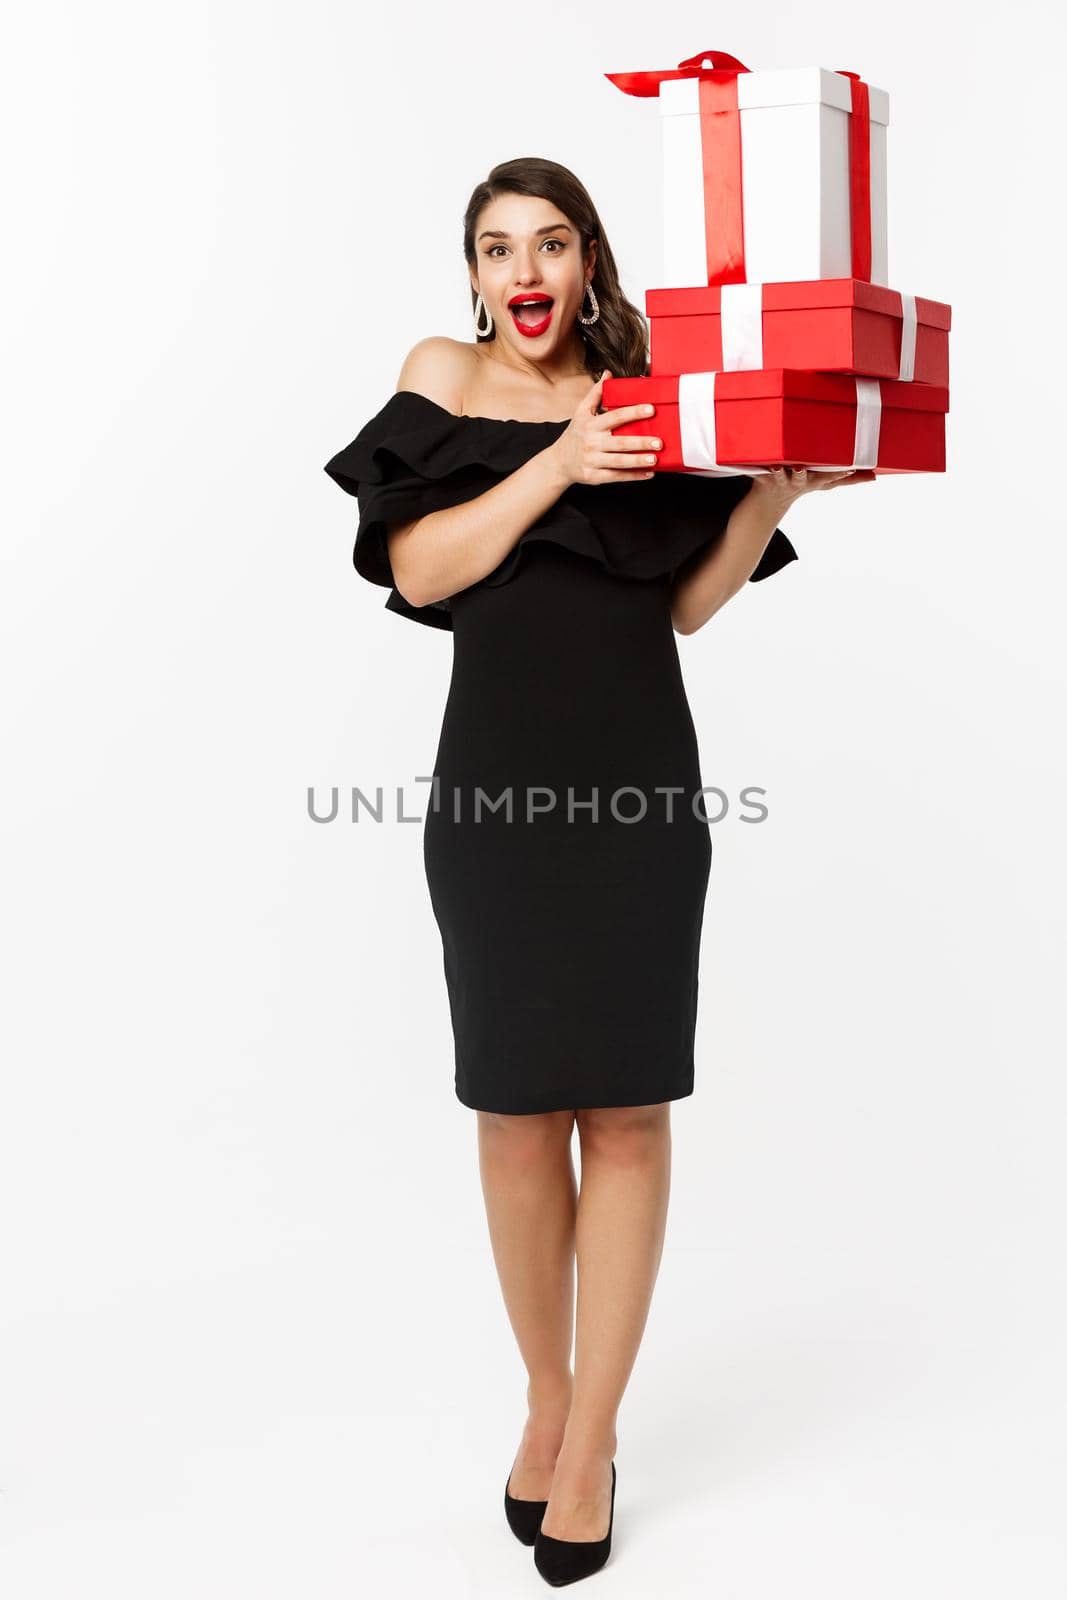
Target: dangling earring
<point x="479" y="307"/>
<point x="596" y="309"/>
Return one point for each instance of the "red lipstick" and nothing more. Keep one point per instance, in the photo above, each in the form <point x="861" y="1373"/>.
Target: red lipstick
<point x="532" y="330"/>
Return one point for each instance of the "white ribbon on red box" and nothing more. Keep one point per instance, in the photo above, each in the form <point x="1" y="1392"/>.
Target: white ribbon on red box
<point x="741" y="326"/>
<point x="696" y="420"/>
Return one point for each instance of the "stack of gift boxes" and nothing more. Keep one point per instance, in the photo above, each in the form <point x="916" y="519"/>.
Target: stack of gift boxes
<point x="779" y="340"/>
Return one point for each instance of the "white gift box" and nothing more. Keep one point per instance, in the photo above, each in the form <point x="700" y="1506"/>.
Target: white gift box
<point x="778" y="208"/>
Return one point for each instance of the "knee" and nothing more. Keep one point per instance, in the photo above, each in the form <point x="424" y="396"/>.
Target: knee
<point x="624" y="1133"/>
<point x="525" y="1140"/>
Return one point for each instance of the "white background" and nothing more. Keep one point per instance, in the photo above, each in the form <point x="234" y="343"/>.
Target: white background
<point x="253" y="1342"/>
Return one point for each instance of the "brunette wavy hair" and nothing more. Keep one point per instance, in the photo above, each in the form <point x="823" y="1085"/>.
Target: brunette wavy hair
<point x="618" y="340"/>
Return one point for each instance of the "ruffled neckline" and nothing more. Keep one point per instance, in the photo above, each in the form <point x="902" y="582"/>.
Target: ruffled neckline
<point x="414" y="456"/>
<point x="464" y="416"/>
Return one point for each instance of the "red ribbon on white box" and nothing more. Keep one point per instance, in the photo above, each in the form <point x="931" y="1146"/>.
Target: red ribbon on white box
<point x="696" y="419"/>
<point x="716" y="73"/>
<point x="741" y="327"/>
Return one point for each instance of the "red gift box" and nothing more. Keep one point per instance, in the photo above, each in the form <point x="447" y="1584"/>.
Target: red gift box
<point x="822" y="324"/>
<point x="722" y="422"/>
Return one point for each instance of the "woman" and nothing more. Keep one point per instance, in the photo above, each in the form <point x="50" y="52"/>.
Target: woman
<point x="568" y="889"/>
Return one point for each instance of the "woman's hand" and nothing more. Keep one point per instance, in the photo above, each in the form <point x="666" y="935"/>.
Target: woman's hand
<point x="587" y="452"/>
<point x="780" y="486"/>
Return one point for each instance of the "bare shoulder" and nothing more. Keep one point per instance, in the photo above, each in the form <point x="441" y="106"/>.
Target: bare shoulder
<point x="438" y="368"/>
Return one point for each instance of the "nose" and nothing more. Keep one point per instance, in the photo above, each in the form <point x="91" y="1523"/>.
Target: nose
<point x="528" y="269"/>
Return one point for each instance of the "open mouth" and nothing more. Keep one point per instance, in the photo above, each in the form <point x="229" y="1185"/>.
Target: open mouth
<point x="532" y="318"/>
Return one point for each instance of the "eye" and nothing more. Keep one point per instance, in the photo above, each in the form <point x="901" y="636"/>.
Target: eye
<point x="560" y="242"/>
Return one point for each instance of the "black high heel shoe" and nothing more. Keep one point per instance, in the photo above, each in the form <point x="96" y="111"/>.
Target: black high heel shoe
<point x="524" y="1516"/>
<point x="563" y="1560"/>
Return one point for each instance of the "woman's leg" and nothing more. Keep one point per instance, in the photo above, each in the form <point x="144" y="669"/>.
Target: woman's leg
<point x="620" y="1228"/>
<point x="530" y="1200"/>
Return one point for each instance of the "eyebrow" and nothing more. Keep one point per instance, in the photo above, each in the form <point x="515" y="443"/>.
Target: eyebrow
<point x="552" y="227"/>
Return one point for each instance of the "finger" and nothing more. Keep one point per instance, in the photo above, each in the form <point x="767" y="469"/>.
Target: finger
<point x="630" y="441"/>
<point x="593" y="394"/>
<point x="613" y="461"/>
<point x="618" y="415"/>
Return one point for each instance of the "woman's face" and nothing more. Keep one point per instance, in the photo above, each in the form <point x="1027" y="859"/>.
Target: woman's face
<point x="525" y="247"/>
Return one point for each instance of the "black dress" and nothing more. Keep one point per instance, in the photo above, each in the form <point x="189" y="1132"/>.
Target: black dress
<point x="571" y="935"/>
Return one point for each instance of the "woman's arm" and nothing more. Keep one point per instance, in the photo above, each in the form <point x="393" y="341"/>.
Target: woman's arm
<point x="703" y="586"/>
<point x="445" y="551"/>
<point x="436" y="555"/>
